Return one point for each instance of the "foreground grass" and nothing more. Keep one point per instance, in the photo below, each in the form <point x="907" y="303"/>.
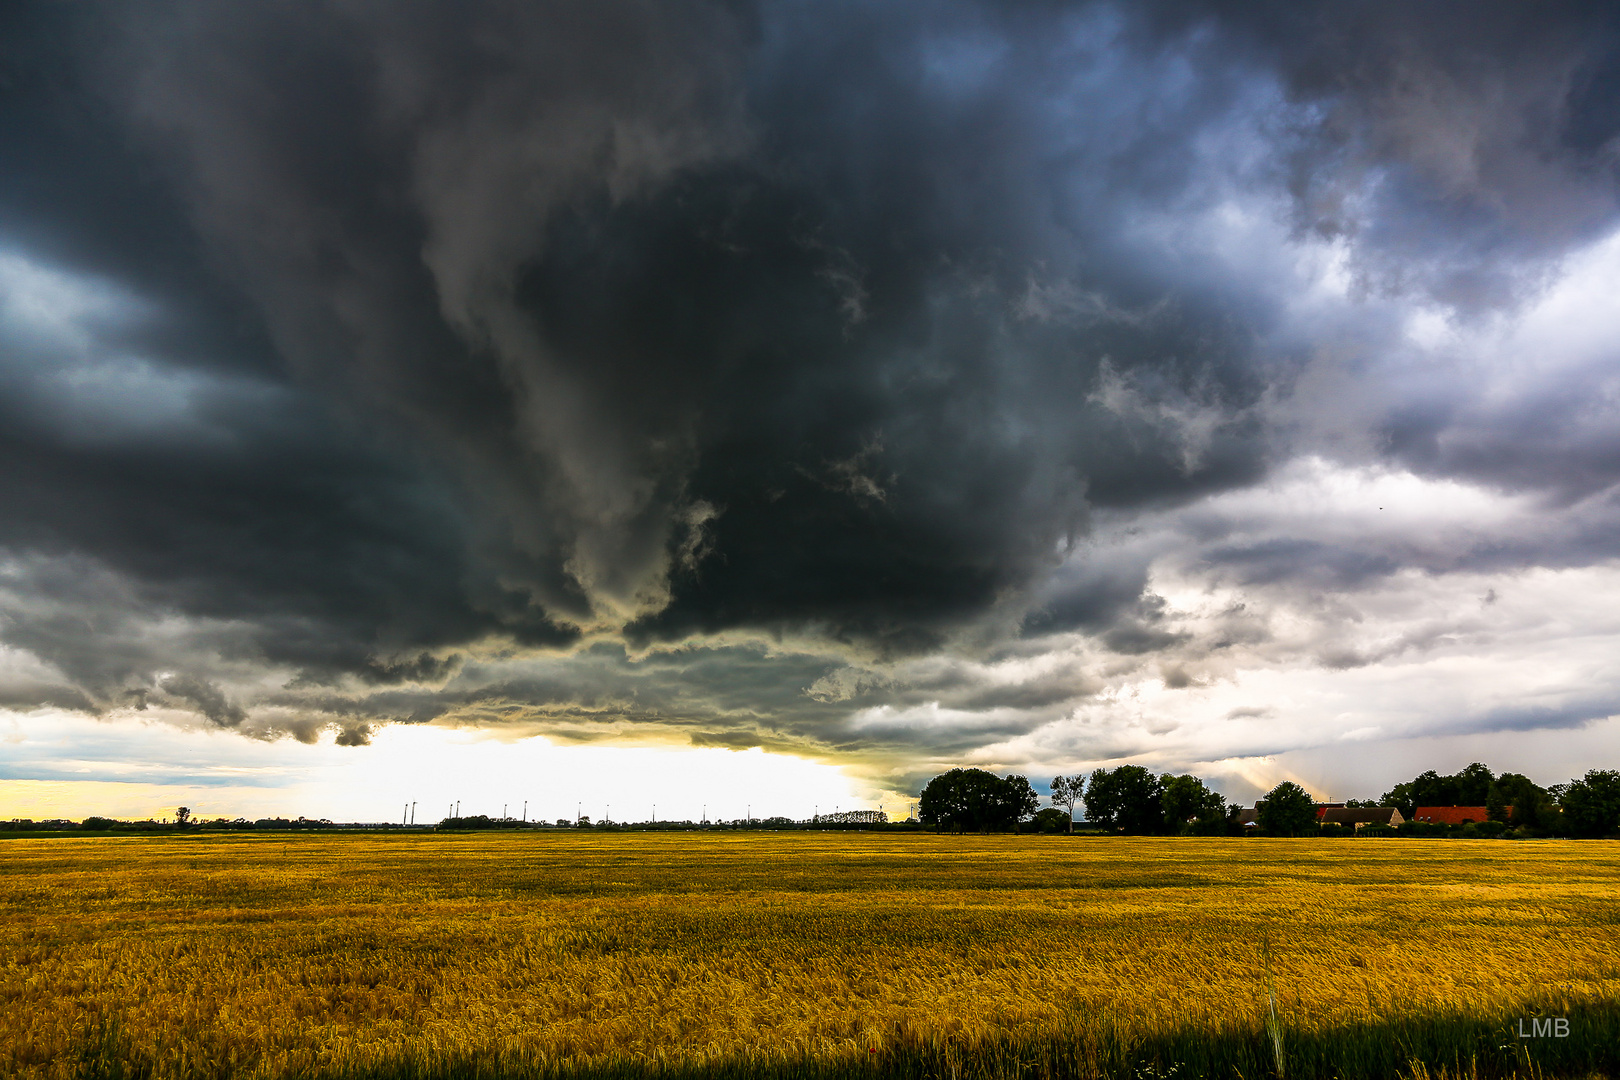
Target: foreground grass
<point x="802" y="955"/>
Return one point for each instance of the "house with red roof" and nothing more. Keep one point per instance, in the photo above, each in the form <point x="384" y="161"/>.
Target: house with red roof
<point x="1454" y="815"/>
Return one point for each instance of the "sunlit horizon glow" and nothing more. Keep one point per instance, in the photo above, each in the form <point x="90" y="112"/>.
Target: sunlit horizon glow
<point x="434" y="767"/>
<point x="775" y="405"/>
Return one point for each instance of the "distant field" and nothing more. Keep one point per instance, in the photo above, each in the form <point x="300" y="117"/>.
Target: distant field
<point x="802" y="954"/>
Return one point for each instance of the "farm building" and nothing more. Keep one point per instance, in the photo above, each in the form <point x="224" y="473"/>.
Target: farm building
<point x="1454" y="815"/>
<point x="1360" y="816"/>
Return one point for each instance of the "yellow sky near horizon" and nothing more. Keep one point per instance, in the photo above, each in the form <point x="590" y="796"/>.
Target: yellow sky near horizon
<point x="133" y="769"/>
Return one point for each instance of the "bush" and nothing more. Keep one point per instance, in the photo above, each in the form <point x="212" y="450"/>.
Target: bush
<point x="1050" y="820"/>
<point x="1210" y="826"/>
<point x="1421" y="828"/>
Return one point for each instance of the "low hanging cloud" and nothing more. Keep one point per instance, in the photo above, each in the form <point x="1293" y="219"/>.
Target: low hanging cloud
<point x="899" y="385"/>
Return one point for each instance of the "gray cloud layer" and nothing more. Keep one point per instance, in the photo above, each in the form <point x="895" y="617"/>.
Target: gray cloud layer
<point x="742" y="371"/>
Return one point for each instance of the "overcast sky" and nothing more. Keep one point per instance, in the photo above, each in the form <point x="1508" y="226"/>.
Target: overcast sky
<point x="865" y="388"/>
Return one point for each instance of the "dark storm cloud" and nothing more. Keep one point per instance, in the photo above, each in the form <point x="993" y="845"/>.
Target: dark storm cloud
<point x="206" y="698"/>
<point x="1488" y="131"/>
<point x="372" y="346"/>
<point x="1293" y="558"/>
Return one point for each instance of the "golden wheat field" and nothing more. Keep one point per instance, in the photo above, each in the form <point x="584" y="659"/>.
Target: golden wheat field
<point x="356" y="955"/>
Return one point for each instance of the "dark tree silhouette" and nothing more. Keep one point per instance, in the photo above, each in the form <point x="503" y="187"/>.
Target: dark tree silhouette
<point x="1532" y="804"/>
<point x="1288" y="810"/>
<point x="975" y="799"/>
<point x="1051" y="820"/>
<point x="1592" y="804"/>
<point x="1187" y="801"/>
<point x="1475" y="785"/>
<point x="1470" y="787"/>
<point x="1128" y="799"/>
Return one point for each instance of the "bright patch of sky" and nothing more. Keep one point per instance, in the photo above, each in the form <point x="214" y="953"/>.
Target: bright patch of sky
<point x="71" y="766"/>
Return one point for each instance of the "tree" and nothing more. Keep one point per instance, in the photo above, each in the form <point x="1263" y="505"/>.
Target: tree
<point x="1470" y="787"/>
<point x="1066" y="791"/>
<point x="975" y="799"/>
<point x="1128" y="799"/>
<point x="1401" y="798"/>
<point x="1021" y="799"/>
<point x="1051" y="820"/>
<point x="1592" y="805"/>
<point x="1187" y="800"/>
<point x="1473" y="785"/>
<point x="1496" y="804"/>
<point x="1288" y="810"/>
<point x="182" y="816"/>
<point x="1532" y="804"/>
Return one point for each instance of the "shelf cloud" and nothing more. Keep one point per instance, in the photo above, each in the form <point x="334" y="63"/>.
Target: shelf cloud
<point x="1027" y="385"/>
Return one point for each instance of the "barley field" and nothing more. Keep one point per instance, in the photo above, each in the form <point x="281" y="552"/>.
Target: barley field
<point x="804" y="954"/>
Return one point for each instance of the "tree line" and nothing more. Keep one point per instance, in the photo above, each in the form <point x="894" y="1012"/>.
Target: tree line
<point x="1129" y="799"/>
<point x="1584" y="807"/>
<point x="1134" y="800"/>
<point x="842" y="821"/>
